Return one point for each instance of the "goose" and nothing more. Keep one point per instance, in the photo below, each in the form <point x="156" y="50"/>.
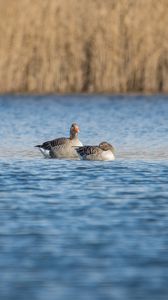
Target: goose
<point x="104" y="151"/>
<point x="62" y="147"/>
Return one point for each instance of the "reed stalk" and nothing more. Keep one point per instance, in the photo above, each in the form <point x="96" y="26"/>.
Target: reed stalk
<point x="68" y="46"/>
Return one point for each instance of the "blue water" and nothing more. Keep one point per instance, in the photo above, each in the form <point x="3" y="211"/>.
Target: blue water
<point x="77" y="229"/>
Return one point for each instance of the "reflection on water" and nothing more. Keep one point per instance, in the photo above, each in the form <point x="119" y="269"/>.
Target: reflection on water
<point x="78" y="229"/>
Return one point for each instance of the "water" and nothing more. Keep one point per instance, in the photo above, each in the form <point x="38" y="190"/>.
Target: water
<point x="77" y="229"/>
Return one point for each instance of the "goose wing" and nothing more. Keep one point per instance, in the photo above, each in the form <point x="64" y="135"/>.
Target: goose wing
<point x="53" y="143"/>
<point x="87" y="150"/>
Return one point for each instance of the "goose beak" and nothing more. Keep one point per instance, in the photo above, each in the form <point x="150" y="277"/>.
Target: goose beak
<point x="76" y="129"/>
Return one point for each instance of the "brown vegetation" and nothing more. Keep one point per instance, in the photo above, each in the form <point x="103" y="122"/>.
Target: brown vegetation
<point x="83" y="46"/>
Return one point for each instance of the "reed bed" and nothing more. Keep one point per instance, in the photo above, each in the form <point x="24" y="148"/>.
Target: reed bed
<point x="64" y="46"/>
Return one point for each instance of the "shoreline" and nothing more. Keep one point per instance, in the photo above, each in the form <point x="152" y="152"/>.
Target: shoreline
<point x="130" y="94"/>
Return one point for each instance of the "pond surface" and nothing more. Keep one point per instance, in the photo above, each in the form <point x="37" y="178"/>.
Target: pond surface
<point x="78" y="229"/>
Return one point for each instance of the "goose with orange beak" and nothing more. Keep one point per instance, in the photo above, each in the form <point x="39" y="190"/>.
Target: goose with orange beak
<point x="62" y="147"/>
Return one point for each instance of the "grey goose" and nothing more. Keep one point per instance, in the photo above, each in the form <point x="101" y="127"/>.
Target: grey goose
<point x="104" y="151"/>
<point x="62" y="147"/>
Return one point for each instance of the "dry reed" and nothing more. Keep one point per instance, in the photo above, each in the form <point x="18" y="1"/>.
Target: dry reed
<point x="49" y="46"/>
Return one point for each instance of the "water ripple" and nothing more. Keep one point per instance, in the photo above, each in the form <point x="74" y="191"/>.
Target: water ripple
<point x="84" y="230"/>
